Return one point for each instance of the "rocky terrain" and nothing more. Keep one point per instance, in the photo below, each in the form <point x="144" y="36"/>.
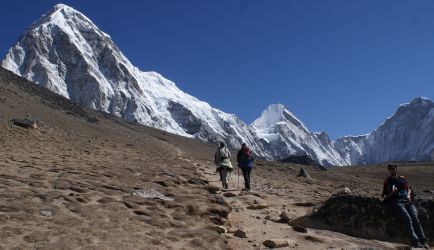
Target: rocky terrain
<point x="87" y="179"/>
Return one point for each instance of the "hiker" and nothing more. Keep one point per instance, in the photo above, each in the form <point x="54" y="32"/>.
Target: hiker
<point x="245" y="162"/>
<point x="398" y="194"/>
<point x="223" y="162"/>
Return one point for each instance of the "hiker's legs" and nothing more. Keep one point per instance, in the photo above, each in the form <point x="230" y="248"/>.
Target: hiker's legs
<point x="249" y="170"/>
<point x="415" y="222"/>
<point x="406" y="219"/>
<point x="246" y="175"/>
<point x="224" y="175"/>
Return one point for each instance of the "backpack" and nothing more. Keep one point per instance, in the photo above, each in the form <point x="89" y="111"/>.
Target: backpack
<point x="246" y="160"/>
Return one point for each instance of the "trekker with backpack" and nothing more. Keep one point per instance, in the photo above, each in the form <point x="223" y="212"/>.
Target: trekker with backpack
<point x="245" y="162"/>
<point x="398" y="194"/>
<point x="222" y="160"/>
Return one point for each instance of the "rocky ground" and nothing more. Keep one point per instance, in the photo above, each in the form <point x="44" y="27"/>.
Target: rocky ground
<point x="87" y="180"/>
<point x="280" y="196"/>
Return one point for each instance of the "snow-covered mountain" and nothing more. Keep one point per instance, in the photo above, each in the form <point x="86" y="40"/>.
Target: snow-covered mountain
<point x="283" y="135"/>
<point x="66" y="53"/>
<point x="406" y="135"/>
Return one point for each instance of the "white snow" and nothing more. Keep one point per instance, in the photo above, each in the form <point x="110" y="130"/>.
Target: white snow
<point x="66" y="53"/>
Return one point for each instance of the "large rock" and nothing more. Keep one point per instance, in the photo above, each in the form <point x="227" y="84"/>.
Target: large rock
<point x="26" y="123"/>
<point x="276" y="243"/>
<point x="369" y="217"/>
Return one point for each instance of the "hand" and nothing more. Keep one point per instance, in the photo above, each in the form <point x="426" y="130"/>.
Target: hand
<point x="394" y="188"/>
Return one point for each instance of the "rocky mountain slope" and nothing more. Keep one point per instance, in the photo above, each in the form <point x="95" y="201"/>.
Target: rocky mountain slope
<point x="406" y="135"/>
<point x="68" y="54"/>
<point x="283" y="135"/>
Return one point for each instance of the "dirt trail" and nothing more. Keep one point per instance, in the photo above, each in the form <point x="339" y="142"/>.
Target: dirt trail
<point x="258" y="214"/>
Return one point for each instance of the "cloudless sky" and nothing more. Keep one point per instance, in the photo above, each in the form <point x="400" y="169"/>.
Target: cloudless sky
<point x="339" y="66"/>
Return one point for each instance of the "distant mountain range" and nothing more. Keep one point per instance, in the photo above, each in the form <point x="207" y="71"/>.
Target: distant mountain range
<point x="66" y="53"/>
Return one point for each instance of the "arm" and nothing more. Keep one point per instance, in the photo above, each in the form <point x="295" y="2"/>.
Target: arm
<point x="217" y="158"/>
<point x="390" y="194"/>
<point x="387" y="193"/>
<point x="239" y="157"/>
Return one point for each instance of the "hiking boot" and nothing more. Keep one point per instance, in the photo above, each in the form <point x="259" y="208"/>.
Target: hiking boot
<point x="417" y="245"/>
<point x="424" y="243"/>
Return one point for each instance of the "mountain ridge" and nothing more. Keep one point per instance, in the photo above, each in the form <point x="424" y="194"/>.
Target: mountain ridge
<point x="68" y="54"/>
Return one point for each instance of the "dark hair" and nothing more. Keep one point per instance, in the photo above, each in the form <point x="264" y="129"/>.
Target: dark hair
<point x="244" y="144"/>
<point x="221" y="144"/>
<point x="390" y="166"/>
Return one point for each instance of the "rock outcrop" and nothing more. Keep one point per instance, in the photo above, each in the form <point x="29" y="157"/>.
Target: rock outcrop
<point x="369" y="217"/>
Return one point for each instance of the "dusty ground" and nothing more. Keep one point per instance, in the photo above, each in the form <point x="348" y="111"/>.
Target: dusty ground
<point x="70" y="184"/>
<point x="281" y="190"/>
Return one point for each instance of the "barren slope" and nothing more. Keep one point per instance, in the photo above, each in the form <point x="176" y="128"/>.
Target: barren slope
<point x="70" y="183"/>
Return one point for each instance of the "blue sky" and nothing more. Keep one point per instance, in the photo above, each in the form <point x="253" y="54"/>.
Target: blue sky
<point x="339" y="66"/>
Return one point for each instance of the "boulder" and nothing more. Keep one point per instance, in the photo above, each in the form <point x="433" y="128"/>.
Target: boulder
<point x="25" y="123"/>
<point x="369" y="217"/>
<point x="276" y="243"/>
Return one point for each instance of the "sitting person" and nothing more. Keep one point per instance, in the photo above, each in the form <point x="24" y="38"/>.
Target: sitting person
<point x="399" y="196"/>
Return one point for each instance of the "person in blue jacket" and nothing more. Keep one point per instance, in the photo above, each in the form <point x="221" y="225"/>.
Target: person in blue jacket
<point x="245" y="162"/>
<point x="399" y="195"/>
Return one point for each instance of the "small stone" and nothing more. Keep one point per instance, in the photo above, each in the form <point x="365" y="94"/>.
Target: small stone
<point x="276" y="243"/>
<point x="343" y="191"/>
<point x="286" y="217"/>
<point x="258" y="206"/>
<point x="241" y="232"/>
<point x="221" y="229"/>
<point x="229" y="194"/>
<point x="46" y="213"/>
<point x="213" y="189"/>
<point x="304" y="173"/>
<point x="299" y="229"/>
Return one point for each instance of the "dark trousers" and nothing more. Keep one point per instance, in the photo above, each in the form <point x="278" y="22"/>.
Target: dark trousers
<point x="246" y="175"/>
<point x="408" y="215"/>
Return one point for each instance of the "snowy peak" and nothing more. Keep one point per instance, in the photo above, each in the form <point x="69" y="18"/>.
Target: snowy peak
<point x="68" y="54"/>
<point x="61" y="12"/>
<point x="421" y="102"/>
<point x="276" y="114"/>
<point x="406" y="135"/>
<point x="284" y="135"/>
